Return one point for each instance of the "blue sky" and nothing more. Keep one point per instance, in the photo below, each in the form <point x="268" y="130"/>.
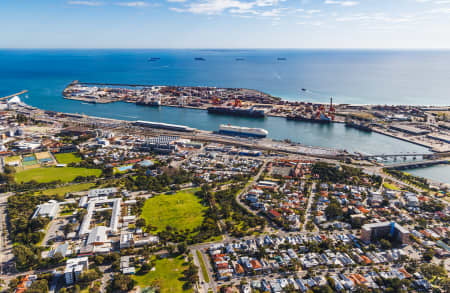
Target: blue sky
<point x="225" y="24"/>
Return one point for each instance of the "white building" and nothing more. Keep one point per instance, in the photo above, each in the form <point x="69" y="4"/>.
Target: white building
<point x="74" y="268"/>
<point x="102" y="192"/>
<point x="49" y="210"/>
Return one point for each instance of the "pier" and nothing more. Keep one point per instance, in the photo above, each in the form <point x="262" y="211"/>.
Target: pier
<point x="13" y="95"/>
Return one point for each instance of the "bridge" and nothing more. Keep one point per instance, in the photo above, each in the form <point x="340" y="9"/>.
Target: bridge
<point x="385" y="156"/>
<point x="416" y="164"/>
<point x="16" y="94"/>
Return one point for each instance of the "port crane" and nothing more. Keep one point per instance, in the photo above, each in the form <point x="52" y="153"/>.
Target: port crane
<point x="16" y="94"/>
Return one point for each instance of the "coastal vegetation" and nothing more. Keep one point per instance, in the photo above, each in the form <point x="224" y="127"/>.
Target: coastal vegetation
<point x="415" y="180"/>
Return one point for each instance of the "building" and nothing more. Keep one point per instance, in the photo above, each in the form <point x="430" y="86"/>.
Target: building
<point x="162" y="144"/>
<point x="97" y="236"/>
<point x="48" y="210"/>
<point x="375" y="231"/>
<point x="74" y="268"/>
<point x="94" y="205"/>
<point x="102" y="192"/>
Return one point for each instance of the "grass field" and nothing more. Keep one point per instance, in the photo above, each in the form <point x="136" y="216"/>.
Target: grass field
<point x="390" y="186"/>
<point x="67" y="158"/>
<point x="65" y="189"/>
<point x="203" y="266"/>
<point x="43" y="175"/>
<point x="166" y="276"/>
<point x="181" y="210"/>
<point x="12" y="159"/>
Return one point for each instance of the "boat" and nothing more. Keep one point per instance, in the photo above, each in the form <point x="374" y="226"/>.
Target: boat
<point x="281" y="59"/>
<point x="303" y="89"/>
<point x="237" y="111"/>
<point x="243" y="131"/>
<point x="154" y="59"/>
<point x="240" y="59"/>
<point x="199" y="59"/>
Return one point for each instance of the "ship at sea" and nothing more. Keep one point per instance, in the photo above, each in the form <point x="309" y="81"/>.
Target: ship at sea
<point x="199" y="59"/>
<point x="237" y="111"/>
<point x="152" y="59"/>
<point x="243" y="131"/>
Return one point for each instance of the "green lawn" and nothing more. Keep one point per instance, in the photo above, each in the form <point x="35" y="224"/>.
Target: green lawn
<point x="43" y="175"/>
<point x="11" y="159"/>
<point x="166" y="276"/>
<point x="181" y="210"/>
<point x="65" y="189"/>
<point x="67" y="158"/>
<point x="390" y="186"/>
<point x="203" y="266"/>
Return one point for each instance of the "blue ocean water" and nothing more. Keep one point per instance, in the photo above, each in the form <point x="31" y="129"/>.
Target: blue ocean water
<point x="350" y="76"/>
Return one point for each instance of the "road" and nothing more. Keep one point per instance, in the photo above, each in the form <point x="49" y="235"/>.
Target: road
<point x="248" y="186"/>
<point x="203" y="285"/>
<point x="308" y="215"/>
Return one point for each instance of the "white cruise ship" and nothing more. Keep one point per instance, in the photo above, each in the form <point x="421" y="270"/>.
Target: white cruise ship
<point x="242" y="131"/>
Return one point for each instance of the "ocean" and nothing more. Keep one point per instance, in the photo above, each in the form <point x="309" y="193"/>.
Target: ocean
<point x="349" y="76"/>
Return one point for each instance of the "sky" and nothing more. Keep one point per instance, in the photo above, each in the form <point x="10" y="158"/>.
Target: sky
<point x="374" y="24"/>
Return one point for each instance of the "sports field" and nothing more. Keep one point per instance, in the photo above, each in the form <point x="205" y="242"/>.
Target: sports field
<point x="181" y="210"/>
<point x="67" y="158"/>
<point x="166" y="275"/>
<point x="43" y="175"/>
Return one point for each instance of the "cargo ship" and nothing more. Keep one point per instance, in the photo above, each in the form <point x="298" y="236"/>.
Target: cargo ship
<point x="153" y="59"/>
<point x="199" y="59"/>
<point x="360" y="126"/>
<point x="243" y="131"/>
<point x="237" y="111"/>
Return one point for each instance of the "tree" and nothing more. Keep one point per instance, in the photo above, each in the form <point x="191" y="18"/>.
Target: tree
<point x="182" y="247"/>
<point x="385" y="244"/>
<point x="122" y="283"/>
<point x="99" y="259"/>
<point x="428" y="254"/>
<point x="333" y="210"/>
<point x="140" y="223"/>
